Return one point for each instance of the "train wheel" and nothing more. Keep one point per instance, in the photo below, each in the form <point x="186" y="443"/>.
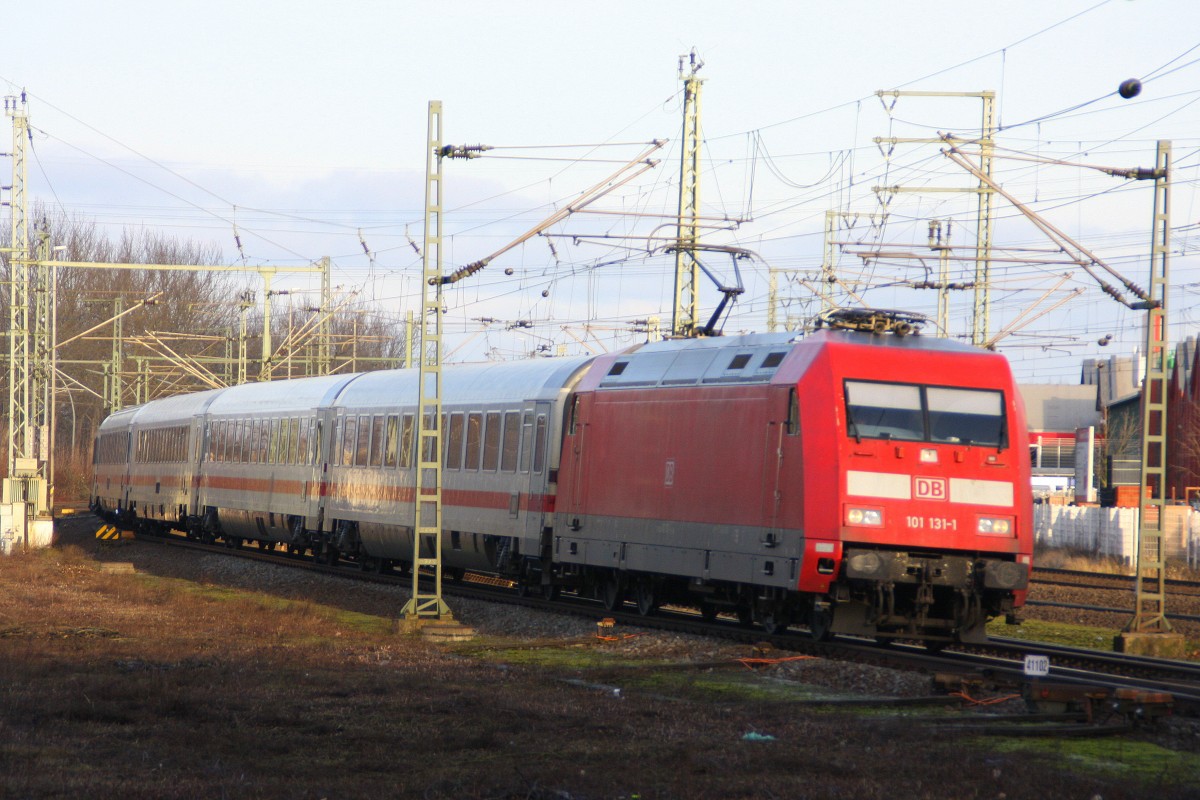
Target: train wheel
<point x="820" y="624"/>
<point x="708" y="612"/>
<point x="645" y="596"/>
<point x="745" y="615"/>
<point x="551" y="591"/>
<point x="774" y="622"/>
<point x="612" y="593"/>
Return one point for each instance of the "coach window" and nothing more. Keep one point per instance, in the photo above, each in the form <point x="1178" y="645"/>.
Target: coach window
<point x="474" y="440"/>
<point x="391" y="440"/>
<point x="377" y="441"/>
<point x="262" y="435"/>
<point x="245" y="429"/>
<point x="294" y="441"/>
<point x="491" y="442"/>
<point x="428" y="445"/>
<point x="406" y="441"/>
<point x="454" y="442"/>
<point x="361" y="448"/>
<point x="285" y="435"/>
<point x="349" y="440"/>
<point x="526" y="440"/>
<point x="279" y="439"/>
<point x="512" y="436"/>
<point x="248" y="455"/>
<point x="302" y="451"/>
<point x="539" y="444"/>
<point x="273" y="441"/>
<point x="247" y="441"/>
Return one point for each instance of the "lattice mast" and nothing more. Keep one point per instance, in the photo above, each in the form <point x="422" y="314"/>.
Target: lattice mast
<point x="1150" y="589"/>
<point x="686" y="315"/>
<point x="21" y="433"/>
<point x="427" y="525"/>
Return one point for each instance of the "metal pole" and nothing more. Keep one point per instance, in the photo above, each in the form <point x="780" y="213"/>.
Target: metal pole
<point x="687" y="306"/>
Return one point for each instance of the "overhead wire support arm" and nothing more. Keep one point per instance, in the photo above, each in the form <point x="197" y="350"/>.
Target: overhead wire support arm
<point x="613" y="181"/>
<point x="1081" y="256"/>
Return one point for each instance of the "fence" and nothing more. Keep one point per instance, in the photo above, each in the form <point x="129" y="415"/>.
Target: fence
<point x="1111" y="531"/>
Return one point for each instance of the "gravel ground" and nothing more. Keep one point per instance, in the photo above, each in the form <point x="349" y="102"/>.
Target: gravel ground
<point x="1107" y="598"/>
<point x="489" y="619"/>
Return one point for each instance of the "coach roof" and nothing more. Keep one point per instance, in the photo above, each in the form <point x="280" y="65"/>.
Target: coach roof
<point x="501" y="382"/>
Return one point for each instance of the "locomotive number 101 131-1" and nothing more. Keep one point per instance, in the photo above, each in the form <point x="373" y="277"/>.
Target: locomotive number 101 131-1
<point x="931" y="523"/>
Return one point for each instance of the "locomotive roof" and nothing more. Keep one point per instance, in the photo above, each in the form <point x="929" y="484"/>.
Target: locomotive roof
<point x="749" y="358"/>
<point x="473" y="384"/>
<point x="910" y="342"/>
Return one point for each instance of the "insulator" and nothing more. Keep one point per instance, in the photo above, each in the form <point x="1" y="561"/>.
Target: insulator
<point x="545" y="292"/>
<point x="508" y="270"/>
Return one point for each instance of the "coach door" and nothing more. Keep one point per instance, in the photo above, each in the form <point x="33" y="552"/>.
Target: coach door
<point x="201" y="434"/>
<point x="535" y="439"/>
<point x="782" y="422"/>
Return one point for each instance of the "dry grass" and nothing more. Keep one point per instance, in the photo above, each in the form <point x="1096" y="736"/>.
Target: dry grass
<point x="135" y="686"/>
<point x="1066" y="558"/>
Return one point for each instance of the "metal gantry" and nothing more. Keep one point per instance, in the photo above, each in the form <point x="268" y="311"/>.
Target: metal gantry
<point x="427" y="525"/>
<point x="983" y="230"/>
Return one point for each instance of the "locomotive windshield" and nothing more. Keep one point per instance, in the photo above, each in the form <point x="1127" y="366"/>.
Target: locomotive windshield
<point x="925" y="413"/>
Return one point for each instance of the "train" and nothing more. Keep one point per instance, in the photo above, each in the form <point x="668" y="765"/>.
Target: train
<point x="860" y="479"/>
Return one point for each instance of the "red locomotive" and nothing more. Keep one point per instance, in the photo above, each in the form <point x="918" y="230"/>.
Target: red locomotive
<point x="855" y="480"/>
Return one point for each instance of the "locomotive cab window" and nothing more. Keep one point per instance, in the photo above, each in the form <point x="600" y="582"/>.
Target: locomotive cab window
<point x="925" y="413"/>
<point x="966" y="415"/>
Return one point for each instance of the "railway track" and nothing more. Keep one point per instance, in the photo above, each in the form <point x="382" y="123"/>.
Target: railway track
<point x="1000" y="661"/>
<point x="1081" y="579"/>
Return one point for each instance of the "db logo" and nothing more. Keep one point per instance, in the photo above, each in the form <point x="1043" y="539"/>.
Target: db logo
<point x="929" y="488"/>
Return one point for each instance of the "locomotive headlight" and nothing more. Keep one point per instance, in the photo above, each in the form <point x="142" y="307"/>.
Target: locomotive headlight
<point x="872" y="517"/>
<point x="995" y="526"/>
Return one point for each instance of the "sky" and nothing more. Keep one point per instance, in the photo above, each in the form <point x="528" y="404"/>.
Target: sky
<point x="283" y="132"/>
